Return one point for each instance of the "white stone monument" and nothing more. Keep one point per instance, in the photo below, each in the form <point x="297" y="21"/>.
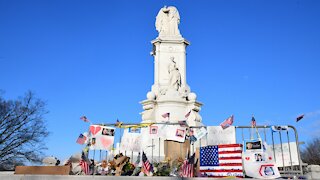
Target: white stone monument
<point x="170" y="93"/>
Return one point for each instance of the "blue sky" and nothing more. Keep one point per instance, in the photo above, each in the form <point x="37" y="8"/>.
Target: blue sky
<point x="92" y="58"/>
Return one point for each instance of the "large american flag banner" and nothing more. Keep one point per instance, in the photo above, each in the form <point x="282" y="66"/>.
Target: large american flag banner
<point x="223" y="160"/>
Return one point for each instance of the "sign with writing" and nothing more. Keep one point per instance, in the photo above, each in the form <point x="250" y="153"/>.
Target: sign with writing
<point x="285" y="153"/>
<point x="216" y="135"/>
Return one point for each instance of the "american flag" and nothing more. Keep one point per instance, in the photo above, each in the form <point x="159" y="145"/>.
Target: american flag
<point x="165" y="115"/>
<point x="81" y="139"/>
<point x="84" y="166"/>
<point x="146" y="163"/>
<point x="84" y="118"/>
<point x="183" y="123"/>
<point x="187" y="167"/>
<point x="221" y="160"/>
<point x="188" y="114"/>
<point x="300" y="117"/>
<point x="226" y="123"/>
<point x="253" y="122"/>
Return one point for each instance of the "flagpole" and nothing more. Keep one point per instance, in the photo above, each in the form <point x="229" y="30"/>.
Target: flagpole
<point x="94" y="153"/>
<point x="152" y="150"/>
<point x="119" y="140"/>
<point x="159" y="149"/>
<point x="131" y="156"/>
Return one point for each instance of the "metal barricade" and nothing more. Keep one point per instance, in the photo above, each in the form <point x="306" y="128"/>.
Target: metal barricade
<point x="282" y="136"/>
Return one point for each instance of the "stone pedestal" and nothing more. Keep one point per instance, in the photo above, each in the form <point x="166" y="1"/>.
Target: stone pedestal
<point x="176" y="150"/>
<point x="164" y="98"/>
<point x="170" y="98"/>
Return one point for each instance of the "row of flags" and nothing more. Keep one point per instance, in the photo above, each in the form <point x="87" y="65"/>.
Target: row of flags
<point x="225" y="124"/>
<point x="167" y="115"/>
<point x="229" y="121"/>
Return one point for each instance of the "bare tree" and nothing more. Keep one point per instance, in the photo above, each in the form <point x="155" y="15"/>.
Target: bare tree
<point x="22" y="130"/>
<point x="311" y="154"/>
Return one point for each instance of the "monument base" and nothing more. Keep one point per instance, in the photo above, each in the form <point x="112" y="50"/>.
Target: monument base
<point x="176" y="150"/>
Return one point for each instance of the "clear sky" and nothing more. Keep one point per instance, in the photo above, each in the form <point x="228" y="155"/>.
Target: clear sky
<point x="92" y="58"/>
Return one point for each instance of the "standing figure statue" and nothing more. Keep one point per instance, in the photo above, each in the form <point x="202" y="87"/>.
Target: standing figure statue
<point x="174" y="75"/>
<point x="167" y="21"/>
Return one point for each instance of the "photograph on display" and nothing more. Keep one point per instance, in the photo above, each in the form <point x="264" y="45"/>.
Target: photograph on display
<point x="180" y="133"/>
<point x="253" y="145"/>
<point x="93" y="142"/>
<point x="153" y="129"/>
<point x="259" y="157"/>
<point x="134" y="130"/>
<point x="107" y="132"/>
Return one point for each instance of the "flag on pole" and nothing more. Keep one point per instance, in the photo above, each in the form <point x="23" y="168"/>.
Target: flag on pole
<point x="188" y="167"/>
<point x="146" y="163"/>
<point x="226" y="123"/>
<point x="223" y="160"/>
<point x="188" y="114"/>
<point x="253" y="122"/>
<point x="84" y="118"/>
<point x="166" y="115"/>
<point x="118" y="123"/>
<point x="300" y="117"/>
<point x="81" y="139"/>
<point x="84" y="166"/>
<point x="183" y="123"/>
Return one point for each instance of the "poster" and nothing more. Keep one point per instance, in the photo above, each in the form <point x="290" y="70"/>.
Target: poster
<point x="216" y="135"/>
<point x="102" y="137"/>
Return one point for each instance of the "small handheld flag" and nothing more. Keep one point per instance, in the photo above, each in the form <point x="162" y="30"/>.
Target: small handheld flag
<point x="253" y="122"/>
<point x="300" y="117"/>
<point x="81" y="139"/>
<point x="166" y="115"/>
<point x="84" y="118"/>
<point x="183" y="123"/>
<point x="226" y="123"/>
<point x="188" y="114"/>
<point x="146" y="164"/>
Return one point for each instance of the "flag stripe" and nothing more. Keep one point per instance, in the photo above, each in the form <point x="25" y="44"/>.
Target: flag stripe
<point x="230" y="152"/>
<point x="225" y="176"/>
<point x="228" y="158"/>
<point x="221" y="167"/>
<point x="229" y="145"/>
<point x="222" y="170"/>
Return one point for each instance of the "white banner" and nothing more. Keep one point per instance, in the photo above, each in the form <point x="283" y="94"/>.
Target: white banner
<point x="286" y="155"/>
<point x="217" y="135"/>
<point x="131" y="140"/>
<point x="102" y="137"/>
<point x="258" y="162"/>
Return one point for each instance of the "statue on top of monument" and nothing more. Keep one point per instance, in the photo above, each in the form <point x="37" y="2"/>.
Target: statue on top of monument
<point x="167" y="21"/>
<point x="174" y="75"/>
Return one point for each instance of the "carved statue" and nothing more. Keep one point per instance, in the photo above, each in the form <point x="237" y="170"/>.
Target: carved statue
<point x="167" y="21"/>
<point x="174" y="75"/>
